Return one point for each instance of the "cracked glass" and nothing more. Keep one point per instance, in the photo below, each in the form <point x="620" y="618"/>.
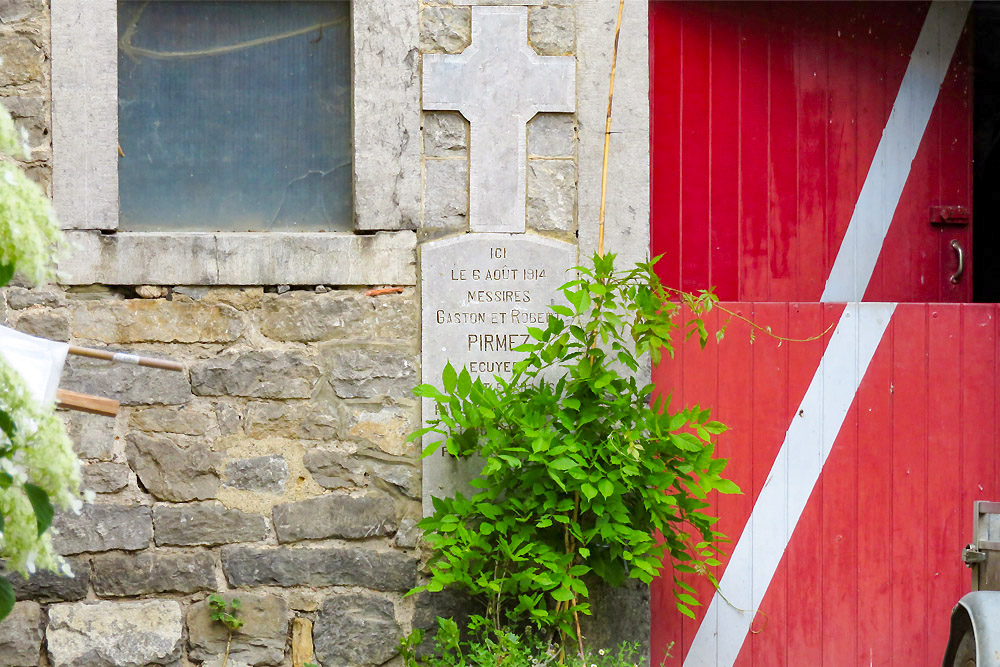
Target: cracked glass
<point x="234" y="116"/>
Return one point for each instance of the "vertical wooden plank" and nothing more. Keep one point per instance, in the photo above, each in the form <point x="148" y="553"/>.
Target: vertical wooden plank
<point x="695" y="137"/>
<point x="724" y="195"/>
<point x="909" y="479"/>
<point x="770" y="422"/>
<point x="875" y="502"/>
<point x="980" y="408"/>
<point x="665" y="158"/>
<point x="943" y="492"/>
<point x="804" y="554"/>
<point x="753" y="95"/>
<point x="783" y="239"/>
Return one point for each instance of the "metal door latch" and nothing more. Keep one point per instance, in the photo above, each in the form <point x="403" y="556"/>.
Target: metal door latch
<point x="971" y="555"/>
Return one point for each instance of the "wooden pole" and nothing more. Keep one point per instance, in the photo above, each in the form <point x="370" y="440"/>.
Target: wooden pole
<point x="95" y="405"/>
<point x="607" y="134"/>
<point x="123" y="358"/>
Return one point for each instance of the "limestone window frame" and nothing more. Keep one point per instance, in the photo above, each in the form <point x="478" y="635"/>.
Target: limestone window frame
<point x="386" y="131"/>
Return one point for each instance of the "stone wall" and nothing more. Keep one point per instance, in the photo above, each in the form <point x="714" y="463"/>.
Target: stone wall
<point x="276" y="468"/>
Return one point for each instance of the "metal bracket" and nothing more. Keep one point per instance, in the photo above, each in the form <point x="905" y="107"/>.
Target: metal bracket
<point x="972" y="555"/>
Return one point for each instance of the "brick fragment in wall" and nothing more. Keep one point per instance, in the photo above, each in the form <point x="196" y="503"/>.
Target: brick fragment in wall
<point x="100" y="527"/>
<point x="93" y="436"/>
<point x="192" y="419"/>
<point x="552" y="135"/>
<point x="256" y="374"/>
<point x="115" y="634"/>
<point x="334" y="469"/>
<point x="44" y="323"/>
<point x="445" y="29"/>
<point x="145" y="572"/>
<point x="23" y="61"/>
<point x="371" y="372"/>
<point x="261" y="640"/>
<point x="205" y="524"/>
<point x="446" y="195"/>
<point x="552" y="30"/>
<point x="264" y="474"/>
<point x="21" y="636"/>
<point x="335" y="516"/>
<point x="446" y="134"/>
<point x="307" y="420"/>
<point x="131" y="385"/>
<point x="21" y="297"/>
<point x="47" y="586"/>
<point x="306" y="317"/>
<point x="171" y="473"/>
<point x="552" y="195"/>
<point x="12" y="11"/>
<point x="156" y="321"/>
<point x="356" y="629"/>
<point x="321" y="566"/>
<point x="104" y="476"/>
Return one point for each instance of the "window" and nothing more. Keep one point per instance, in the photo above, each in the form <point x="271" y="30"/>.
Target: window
<point x="234" y="116"/>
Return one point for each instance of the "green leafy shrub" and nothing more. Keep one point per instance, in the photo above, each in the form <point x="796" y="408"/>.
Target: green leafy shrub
<point x="38" y="467"/>
<point x="583" y="468"/>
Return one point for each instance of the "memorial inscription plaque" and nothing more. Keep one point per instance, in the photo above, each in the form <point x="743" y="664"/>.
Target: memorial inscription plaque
<point x="479" y="294"/>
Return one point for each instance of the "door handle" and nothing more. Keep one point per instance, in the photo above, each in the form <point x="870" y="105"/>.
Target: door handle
<point x="955" y="277"/>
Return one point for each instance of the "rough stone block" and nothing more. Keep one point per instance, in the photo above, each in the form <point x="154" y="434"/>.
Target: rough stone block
<point x="397" y="316"/>
<point x="156" y="321"/>
<point x="265" y="474"/>
<point x="335" y="516"/>
<point x="12" y="11"/>
<point x="115" y="634"/>
<point x="256" y="374"/>
<point x="408" y="535"/>
<point x="305" y="421"/>
<point x="171" y="473"/>
<point x="21" y="636"/>
<point x="131" y="385"/>
<point x="552" y="30"/>
<point x="305" y="317"/>
<point x="20" y="298"/>
<point x="552" y="195"/>
<point x="48" y="586"/>
<point x="356" y="629"/>
<point x="261" y="640"/>
<point x="104" y="476"/>
<point x="552" y="135"/>
<point x="334" y="469"/>
<point x="32" y="115"/>
<point x="369" y="372"/>
<point x="446" y="195"/>
<point x="195" y="419"/>
<point x="120" y="575"/>
<point x="446" y="134"/>
<point x="385" y="428"/>
<point x="448" y="603"/>
<point x="445" y="29"/>
<point x="102" y="528"/>
<point x="240" y="298"/>
<point x="93" y="436"/>
<point x="44" y="323"/>
<point x="23" y="61"/>
<point x="326" y="566"/>
<point x="621" y="614"/>
<point x="206" y="524"/>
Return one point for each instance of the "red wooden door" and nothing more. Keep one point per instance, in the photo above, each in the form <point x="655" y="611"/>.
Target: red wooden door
<point x="799" y="154"/>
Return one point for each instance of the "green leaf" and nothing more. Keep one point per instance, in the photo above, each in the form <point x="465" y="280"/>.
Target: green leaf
<point x="7" y="425"/>
<point x="563" y="463"/>
<point x="5" y="480"/>
<point x="464" y="382"/>
<point x="727" y="486"/>
<point x="588" y="491"/>
<point x="606" y="488"/>
<point x="450" y="378"/>
<point x="41" y="504"/>
<point x="6" y="598"/>
<point x="6" y="273"/>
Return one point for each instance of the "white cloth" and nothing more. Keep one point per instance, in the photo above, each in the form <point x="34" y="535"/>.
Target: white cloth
<point x="38" y="361"/>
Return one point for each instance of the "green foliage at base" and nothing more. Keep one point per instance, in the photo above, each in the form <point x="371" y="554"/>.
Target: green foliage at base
<point x="585" y="471"/>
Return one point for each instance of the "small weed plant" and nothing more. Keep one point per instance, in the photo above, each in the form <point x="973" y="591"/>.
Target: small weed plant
<point x="586" y="472"/>
<point x="227" y="615"/>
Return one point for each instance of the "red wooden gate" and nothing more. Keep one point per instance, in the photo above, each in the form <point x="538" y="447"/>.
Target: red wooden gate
<point x="821" y="152"/>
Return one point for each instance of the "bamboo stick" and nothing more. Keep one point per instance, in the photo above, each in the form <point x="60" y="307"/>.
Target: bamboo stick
<point x="123" y="358"/>
<point x="607" y="134"/>
<point x="95" y="405"/>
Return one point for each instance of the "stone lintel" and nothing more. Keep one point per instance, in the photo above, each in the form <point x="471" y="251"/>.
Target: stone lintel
<point x="257" y="258"/>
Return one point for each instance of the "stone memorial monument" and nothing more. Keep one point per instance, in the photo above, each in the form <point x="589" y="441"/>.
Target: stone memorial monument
<point x="480" y="291"/>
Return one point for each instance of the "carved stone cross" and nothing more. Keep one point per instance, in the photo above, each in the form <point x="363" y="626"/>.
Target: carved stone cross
<point x="499" y="83"/>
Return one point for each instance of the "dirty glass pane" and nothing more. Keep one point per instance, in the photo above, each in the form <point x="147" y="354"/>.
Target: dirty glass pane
<point x="234" y="115"/>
